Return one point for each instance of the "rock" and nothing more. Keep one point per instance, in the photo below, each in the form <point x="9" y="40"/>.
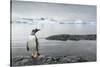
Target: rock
<point x="42" y="59"/>
<point x="64" y="37"/>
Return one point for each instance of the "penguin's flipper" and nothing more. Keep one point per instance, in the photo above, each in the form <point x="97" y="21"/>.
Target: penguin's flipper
<point x="27" y="47"/>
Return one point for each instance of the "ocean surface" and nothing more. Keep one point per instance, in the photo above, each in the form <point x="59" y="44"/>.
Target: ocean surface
<point x="84" y="48"/>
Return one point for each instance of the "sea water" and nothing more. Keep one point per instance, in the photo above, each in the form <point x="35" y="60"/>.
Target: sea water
<point x="86" y="48"/>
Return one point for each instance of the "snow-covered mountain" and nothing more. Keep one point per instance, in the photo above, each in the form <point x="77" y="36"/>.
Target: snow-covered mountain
<point x="34" y="21"/>
<point x="22" y="20"/>
<point x="43" y="20"/>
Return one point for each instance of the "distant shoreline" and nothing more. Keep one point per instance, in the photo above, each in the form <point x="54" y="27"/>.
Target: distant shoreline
<point x="65" y="37"/>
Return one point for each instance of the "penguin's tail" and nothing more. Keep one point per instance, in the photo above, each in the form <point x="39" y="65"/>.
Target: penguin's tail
<point x="27" y="47"/>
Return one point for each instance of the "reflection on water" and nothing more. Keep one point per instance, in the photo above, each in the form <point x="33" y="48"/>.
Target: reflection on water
<point x="81" y="48"/>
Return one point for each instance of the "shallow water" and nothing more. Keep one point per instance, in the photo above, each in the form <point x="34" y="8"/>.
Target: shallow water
<point x="82" y="48"/>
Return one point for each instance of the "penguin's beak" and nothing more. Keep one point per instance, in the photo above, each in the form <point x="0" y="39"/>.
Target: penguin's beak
<point x="37" y="30"/>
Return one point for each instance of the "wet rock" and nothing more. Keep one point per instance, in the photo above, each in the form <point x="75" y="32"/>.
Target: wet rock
<point x="27" y="60"/>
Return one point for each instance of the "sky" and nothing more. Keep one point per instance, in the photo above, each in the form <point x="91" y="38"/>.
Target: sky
<point x="53" y="10"/>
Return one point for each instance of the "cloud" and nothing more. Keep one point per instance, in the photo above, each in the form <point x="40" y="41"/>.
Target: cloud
<point x="57" y="11"/>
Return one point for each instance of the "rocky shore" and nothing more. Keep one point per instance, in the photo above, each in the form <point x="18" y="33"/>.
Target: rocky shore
<point x="41" y="60"/>
<point x="64" y="37"/>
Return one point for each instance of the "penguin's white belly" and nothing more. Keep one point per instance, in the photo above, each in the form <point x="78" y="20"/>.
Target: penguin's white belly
<point x="32" y="43"/>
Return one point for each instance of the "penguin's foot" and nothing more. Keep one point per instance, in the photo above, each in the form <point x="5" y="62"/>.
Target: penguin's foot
<point x="34" y="55"/>
<point x="38" y="54"/>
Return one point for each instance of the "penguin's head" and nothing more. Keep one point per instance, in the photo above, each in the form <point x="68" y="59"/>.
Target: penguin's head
<point x="35" y="30"/>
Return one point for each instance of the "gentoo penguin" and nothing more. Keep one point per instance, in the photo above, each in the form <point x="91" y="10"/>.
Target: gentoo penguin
<point x="32" y="43"/>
